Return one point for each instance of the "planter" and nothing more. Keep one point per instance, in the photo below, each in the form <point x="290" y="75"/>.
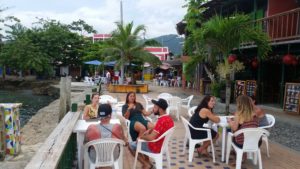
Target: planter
<point x="139" y="88"/>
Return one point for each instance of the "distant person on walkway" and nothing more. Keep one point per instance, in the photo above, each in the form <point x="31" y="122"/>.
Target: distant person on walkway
<point x="260" y="114"/>
<point x="163" y="124"/>
<point x="203" y="113"/>
<point x="135" y="112"/>
<point x="104" y="129"/>
<point x="90" y="111"/>
<point x="108" y="77"/>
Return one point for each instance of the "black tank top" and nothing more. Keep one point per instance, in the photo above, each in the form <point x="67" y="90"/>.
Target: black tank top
<point x="197" y="121"/>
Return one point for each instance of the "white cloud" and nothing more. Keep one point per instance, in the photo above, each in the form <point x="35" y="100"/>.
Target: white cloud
<point x="159" y="16"/>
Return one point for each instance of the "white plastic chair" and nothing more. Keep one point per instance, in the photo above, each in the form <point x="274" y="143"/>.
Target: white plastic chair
<point x="271" y="120"/>
<point x="104" y="154"/>
<point x="174" y="105"/>
<point x="250" y="145"/>
<point x="193" y="142"/>
<point x="127" y="122"/>
<point x="158" y="157"/>
<point x="177" y="82"/>
<point x="148" y="102"/>
<point x="107" y="98"/>
<point x="191" y="111"/>
<point x="165" y="96"/>
<point x="186" y="103"/>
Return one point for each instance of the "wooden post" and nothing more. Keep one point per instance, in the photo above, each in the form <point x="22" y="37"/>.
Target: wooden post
<point x="62" y="98"/>
<point x="68" y="93"/>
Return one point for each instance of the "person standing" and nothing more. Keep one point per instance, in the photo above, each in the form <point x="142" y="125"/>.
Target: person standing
<point x="108" y="77"/>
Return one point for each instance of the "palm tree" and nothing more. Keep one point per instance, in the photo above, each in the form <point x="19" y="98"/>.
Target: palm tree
<point x="127" y="47"/>
<point x="222" y="35"/>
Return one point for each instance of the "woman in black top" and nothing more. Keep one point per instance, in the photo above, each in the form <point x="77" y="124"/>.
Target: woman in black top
<point x="202" y="114"/>
<point x="135" y="112"/>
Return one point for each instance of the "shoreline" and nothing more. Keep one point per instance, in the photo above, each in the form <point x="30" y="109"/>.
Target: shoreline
<point x="38" y="128"/>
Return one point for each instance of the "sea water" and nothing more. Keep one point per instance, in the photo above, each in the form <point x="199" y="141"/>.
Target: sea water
<point x="31" y="103"/>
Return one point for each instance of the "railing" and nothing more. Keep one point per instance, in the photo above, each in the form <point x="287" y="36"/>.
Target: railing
<point x="281" y="27"/>
<point x="59" y="150"/>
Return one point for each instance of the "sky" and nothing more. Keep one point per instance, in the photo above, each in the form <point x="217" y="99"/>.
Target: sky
<point x="159" y="16"/>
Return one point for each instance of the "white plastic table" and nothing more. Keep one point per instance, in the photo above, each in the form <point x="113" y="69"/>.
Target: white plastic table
<point x="223" y="123"/>
<point x="80" y="128"/>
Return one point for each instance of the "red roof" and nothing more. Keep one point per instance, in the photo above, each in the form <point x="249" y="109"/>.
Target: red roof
<point x="160" y="52"/>
<point x="102" y="36"/>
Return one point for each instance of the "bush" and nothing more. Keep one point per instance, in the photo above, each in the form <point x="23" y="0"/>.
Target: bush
<point x="216" y="88"/>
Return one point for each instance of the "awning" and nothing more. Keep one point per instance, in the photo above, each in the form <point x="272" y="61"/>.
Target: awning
<point x="93" y="62"/>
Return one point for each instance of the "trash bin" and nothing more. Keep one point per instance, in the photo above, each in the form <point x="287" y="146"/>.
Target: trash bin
<point x="11" y="128"/>
<point x="74" y="107"/>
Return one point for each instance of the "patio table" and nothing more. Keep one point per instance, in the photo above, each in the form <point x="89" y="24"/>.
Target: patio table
<point x="223" y="123"/>
<point x="80" y="128"/>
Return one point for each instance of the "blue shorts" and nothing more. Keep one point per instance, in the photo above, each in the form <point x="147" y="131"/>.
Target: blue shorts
<point x="133" y="146"/>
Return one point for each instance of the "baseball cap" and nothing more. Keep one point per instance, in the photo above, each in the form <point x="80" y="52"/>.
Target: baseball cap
<point x="104" y="110"/>
<point x="162" y="103"/>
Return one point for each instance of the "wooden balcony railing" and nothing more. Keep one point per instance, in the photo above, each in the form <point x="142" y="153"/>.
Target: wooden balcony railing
<point x="281" y="27"/>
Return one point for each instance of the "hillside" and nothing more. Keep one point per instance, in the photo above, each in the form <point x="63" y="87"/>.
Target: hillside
<point x="172" y="41"/>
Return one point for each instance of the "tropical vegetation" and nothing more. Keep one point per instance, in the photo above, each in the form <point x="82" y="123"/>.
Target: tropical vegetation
<point x="211" y="42"/>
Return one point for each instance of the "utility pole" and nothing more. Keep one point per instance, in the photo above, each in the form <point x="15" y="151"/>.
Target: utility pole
<point x="121" y="11"/>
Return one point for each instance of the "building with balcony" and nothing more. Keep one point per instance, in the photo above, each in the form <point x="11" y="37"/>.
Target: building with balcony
<point x="280" y="21"/>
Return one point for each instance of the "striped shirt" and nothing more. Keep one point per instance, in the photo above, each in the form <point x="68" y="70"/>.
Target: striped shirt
<point x="239" y="139"/>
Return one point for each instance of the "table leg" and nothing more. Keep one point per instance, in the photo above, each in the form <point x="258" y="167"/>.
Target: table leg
<point x="80" y="138"/>
<point x="223" y="143"/>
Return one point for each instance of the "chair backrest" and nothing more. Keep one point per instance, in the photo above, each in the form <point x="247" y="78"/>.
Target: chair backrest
<point x="271" y="120"/>
<point x="174" y="102"/>
<point x="191" y="111"/>
<point x="167" y="135"/>
<point x="251" y="137"/>
<point x="127" y="122"/>
<point x="147" y="99"/>
<point x="164" y="96"/>
<point x="190" y="98"/>
<point x="186" y="126"/>
<point x="106" y="99"/>
<point x="104" y="153"/>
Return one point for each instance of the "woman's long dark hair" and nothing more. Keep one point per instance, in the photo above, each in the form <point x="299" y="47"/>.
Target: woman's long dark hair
<point x="127" y="96"/>
<point x="203" y="103"/>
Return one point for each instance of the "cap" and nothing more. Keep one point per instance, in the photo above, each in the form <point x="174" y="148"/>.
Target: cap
<point x="162" y="103"/>
<point x="104" y="110"/>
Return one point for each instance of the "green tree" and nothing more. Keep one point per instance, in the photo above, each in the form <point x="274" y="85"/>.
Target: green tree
<point x="218" y="37"/>
<point x="225" y="34"/>
<point x="127" y="48"/>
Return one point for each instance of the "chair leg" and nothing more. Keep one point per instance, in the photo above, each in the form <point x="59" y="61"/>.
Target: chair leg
<point x="239" y="157"/>
<point x="184" y="144"/>
<point x="213" y="151"/>
<point x="191" y="151"/>
<point x="135" y="160"/>
<point x="168" y="159"/>
<point x="259" y="159"/>
<point x="158" y="163"/>
<point x="228" y="148"/>
<point x="265" y="138"/>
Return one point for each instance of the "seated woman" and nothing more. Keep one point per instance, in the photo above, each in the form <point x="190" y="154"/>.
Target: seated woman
<point x="244" y="118"/>
<point x="134" y="111"/>
<point x="202" y="114"/>
<point x="260" y="114"/>
<point x="90" y="111"/>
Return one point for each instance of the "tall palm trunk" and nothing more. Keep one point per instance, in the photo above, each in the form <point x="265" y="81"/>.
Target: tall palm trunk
<point x="228" y="93"/>
<point x="121" y="79"/>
